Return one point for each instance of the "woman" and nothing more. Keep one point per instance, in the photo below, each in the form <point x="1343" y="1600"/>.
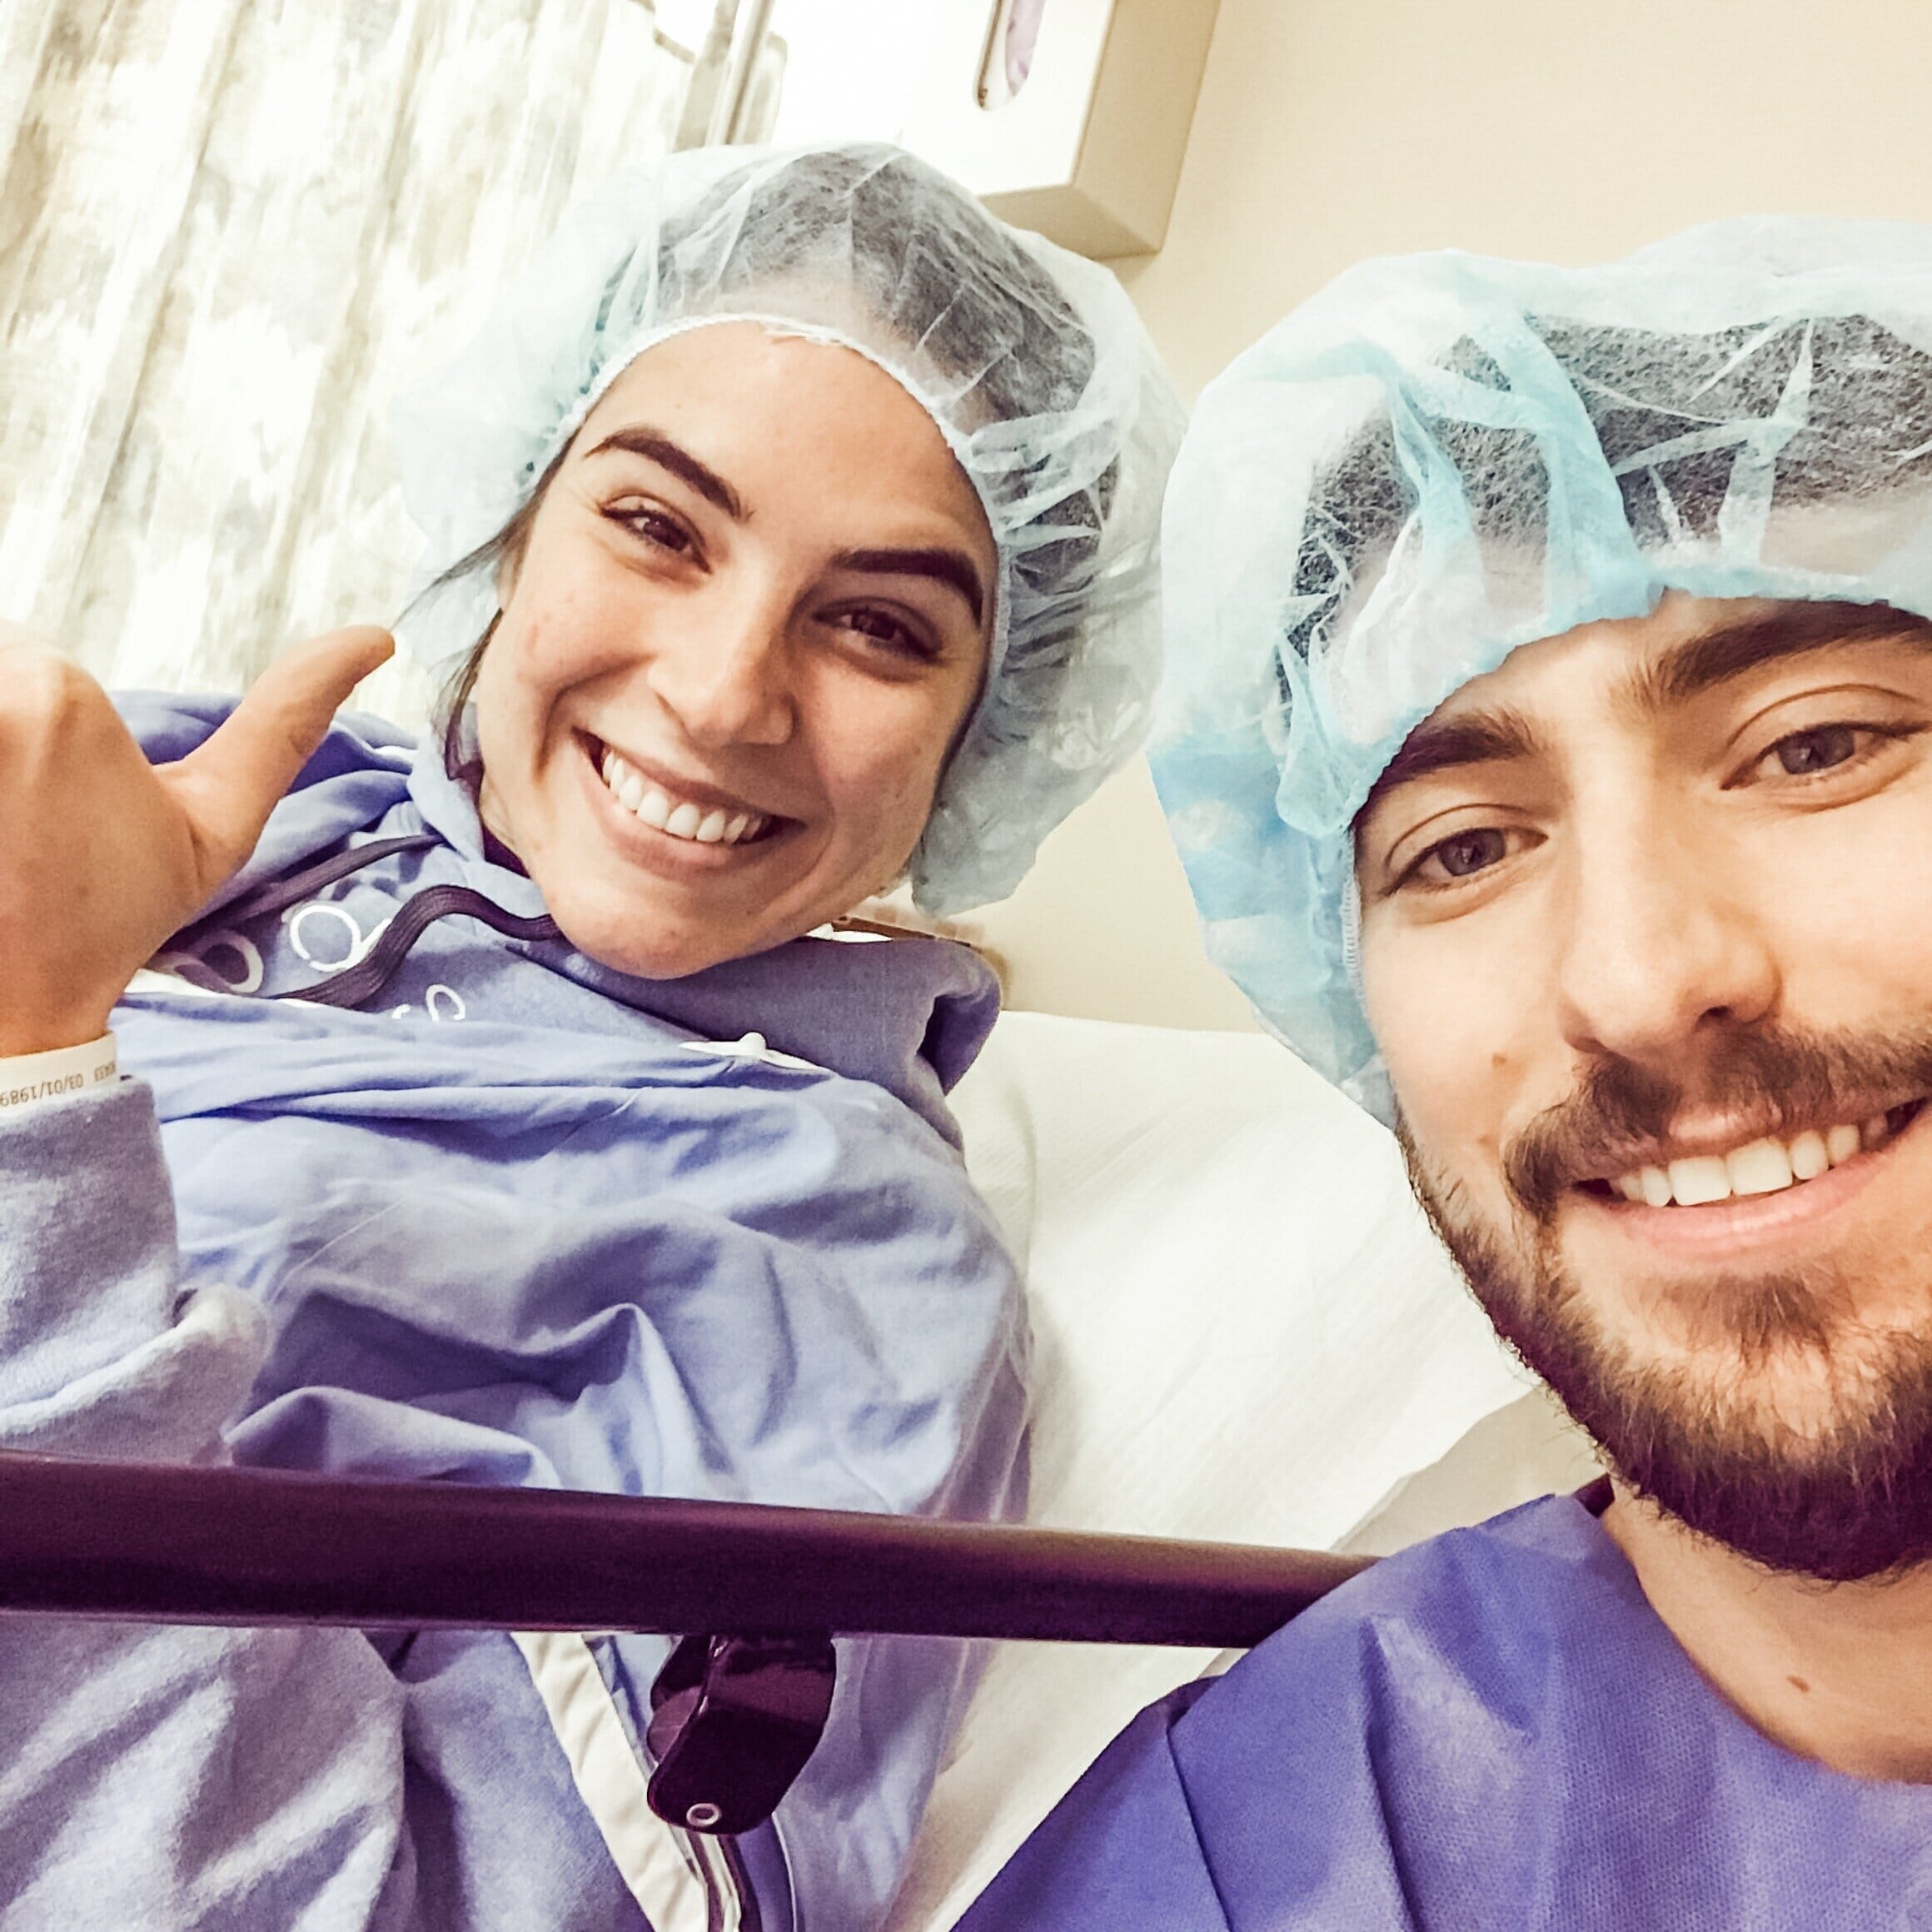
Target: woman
<point x="791" y="531"/>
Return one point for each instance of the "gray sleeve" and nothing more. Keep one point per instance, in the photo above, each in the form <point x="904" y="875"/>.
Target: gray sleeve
<point x="101" y="1351"/>
<point x="151" y="1775"/>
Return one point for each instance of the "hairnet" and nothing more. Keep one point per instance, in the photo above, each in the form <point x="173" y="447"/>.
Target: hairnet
<point x="1031" y="361"/>
<point x="1440" y="458"/>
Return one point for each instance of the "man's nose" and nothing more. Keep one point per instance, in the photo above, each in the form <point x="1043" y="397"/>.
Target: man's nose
<point x="723" y="668"/>
<point x="1661" y="943"/>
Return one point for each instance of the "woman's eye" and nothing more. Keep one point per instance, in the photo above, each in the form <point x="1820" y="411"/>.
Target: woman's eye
<point x="656" y="528"/>
<point x="881" y="627"/>
<point x="1467" y="852"/>
<point x="1804" y="752"/>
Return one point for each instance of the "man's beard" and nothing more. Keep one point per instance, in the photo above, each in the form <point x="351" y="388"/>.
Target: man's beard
<point x="1851" y="1497"/>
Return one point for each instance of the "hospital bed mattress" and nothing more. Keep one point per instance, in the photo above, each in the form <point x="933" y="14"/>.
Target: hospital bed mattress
<point x="1244" y="1332"/>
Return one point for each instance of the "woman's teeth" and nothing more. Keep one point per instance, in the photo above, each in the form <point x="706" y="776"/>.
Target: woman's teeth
<point x="1762" y="1168"/>
<point x="704" y="825"/>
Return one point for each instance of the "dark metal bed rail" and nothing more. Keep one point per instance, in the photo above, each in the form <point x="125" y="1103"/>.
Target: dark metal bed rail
<point x="177" y="1544"/>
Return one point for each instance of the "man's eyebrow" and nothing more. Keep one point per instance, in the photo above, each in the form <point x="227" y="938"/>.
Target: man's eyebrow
<point x="1733" y="650"/>
<point x="1685" y="671"/>
<point x="655" y="447"/>
<point x="950" y="567"/>
<point x="1442" y="745"/>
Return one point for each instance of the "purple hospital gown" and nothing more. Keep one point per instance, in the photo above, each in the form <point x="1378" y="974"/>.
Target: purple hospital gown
<point x="1490" y="1732"/>
<point x="521" y="1220"/>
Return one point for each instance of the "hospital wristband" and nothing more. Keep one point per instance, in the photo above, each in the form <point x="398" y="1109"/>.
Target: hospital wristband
<point x="33" y="1078"/>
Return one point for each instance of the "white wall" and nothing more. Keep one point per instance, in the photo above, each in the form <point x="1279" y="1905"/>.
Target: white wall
<point x="1329" y="130"/>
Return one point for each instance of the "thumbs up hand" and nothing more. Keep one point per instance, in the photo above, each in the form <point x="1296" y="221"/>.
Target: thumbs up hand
<point x="103" y="856"/>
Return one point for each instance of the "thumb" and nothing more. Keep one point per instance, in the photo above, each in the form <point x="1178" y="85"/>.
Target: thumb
<point x="228" y="786"/>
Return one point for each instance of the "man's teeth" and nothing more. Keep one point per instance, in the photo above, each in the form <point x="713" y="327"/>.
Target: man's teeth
<point x="1762" y="1168"/>
<point x="704" y="826"/>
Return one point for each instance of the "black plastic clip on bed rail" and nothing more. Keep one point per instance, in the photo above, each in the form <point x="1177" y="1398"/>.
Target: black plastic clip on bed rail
<point x="733" y="1721"/>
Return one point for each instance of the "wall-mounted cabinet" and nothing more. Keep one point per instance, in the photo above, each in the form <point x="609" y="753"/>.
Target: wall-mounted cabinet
<point x="1069" y="117"/>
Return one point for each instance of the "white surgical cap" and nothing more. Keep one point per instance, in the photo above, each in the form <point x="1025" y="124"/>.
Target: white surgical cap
<point x="1440" y="458"/>
<point x="1030" y="360"/>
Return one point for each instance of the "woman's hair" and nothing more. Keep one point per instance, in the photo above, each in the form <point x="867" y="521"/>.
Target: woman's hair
<point x="495" y="555"/>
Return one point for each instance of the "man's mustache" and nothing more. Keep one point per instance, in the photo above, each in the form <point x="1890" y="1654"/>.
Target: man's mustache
<point x="1774" y="1080"/>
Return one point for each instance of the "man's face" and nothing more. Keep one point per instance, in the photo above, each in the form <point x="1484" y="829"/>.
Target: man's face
<point x="1646" y="940"/>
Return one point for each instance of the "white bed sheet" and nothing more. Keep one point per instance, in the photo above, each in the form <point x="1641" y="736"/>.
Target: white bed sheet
<point x="1244" y="1332"/>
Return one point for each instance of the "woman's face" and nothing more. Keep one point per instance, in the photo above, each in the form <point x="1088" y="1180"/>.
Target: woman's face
<point x="752" y="612"/>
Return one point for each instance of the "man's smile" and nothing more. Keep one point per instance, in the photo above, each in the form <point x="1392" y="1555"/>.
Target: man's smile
<point x="1764" y="1165"/>
<point x="1713" y="1207"/>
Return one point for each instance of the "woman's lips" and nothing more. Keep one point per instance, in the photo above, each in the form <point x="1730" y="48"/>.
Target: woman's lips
<point x="677" y="854"/>
<point x="703" y="822"/>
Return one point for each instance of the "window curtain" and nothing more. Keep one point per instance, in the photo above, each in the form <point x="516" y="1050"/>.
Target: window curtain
<point x="230" y="230"/>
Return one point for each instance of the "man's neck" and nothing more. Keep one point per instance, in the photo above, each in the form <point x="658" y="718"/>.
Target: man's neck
<point x="1839" y="1672"/>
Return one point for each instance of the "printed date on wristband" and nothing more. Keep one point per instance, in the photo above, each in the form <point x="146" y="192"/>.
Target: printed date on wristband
<point x="35" y="1077"/>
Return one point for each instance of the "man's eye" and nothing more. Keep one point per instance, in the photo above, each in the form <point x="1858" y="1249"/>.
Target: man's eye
<point x="1804" y="752"/>
<point x="1468" y="852"/>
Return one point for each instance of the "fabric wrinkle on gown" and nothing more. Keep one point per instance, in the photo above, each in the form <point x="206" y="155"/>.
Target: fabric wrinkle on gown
<point x="536" y="1222"/>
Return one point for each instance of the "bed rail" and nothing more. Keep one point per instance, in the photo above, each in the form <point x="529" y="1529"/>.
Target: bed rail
<point x="756" y="1593"/>
<point x="169" y="1544"/>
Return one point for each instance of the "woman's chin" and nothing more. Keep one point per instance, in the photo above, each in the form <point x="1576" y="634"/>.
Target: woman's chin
<point x="661" y="956"/>
<point x="618" y="931"/>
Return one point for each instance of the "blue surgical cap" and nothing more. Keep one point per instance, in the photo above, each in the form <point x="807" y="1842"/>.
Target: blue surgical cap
<point x="1031" y="361"/>
<point x="1441" y="457"/>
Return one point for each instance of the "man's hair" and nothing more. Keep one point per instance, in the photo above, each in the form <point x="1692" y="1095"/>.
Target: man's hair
<point x="1873" y="390"/>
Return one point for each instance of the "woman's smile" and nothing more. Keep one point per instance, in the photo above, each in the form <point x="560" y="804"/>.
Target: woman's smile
<point x="669" y="850"/>
<point x="686" y="809"/>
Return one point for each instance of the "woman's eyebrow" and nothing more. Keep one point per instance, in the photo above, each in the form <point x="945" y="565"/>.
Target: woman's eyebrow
<point x="950" y="567"/>
<point x="656" y="447"/>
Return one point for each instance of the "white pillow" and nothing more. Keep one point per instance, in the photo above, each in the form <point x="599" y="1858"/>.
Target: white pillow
<point x="1244" y="1332"/>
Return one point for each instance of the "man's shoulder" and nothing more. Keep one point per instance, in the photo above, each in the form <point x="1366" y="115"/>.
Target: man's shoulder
<point x="1492" y="1729"/>
<point x="1488" y="1598"/>
<point x="1444" y="1730"/>
<point x="1316" y="1782"/>
<point x="1435" y="1659"/>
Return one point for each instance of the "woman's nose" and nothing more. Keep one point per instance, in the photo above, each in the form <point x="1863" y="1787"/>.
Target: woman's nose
<point x="725" y="672"/>
<point x="1662" y="942"/>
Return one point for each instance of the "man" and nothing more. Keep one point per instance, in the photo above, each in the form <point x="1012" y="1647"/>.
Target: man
<point x="1550" y="747"/>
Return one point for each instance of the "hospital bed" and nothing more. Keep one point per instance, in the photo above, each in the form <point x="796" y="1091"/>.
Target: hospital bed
<point x="1248" y="1347"/>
